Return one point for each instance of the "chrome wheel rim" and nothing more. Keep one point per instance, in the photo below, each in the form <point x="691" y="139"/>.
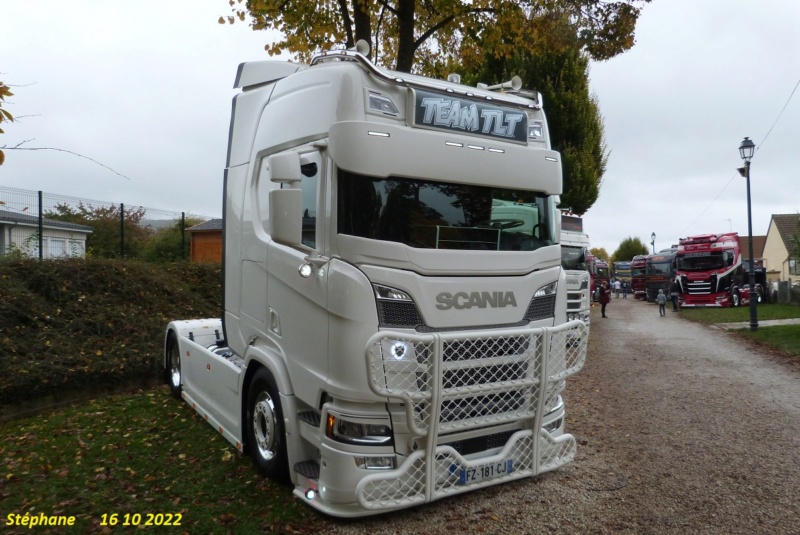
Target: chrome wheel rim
<point x="175" y="371"/>
<point x="265" y="426"/>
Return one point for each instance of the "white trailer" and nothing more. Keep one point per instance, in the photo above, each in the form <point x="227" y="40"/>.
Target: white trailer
<point x="389" y="337"/>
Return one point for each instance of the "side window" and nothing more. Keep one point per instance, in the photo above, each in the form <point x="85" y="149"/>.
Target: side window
<point x="310" y="168"/>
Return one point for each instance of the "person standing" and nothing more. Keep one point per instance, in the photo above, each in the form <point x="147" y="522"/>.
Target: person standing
<point x="661" y="299"/>
<point x="674" y="290"/>
<point x="617" y="287"/>
<point x="605" y="293"/>
<point x="624" y="289"/>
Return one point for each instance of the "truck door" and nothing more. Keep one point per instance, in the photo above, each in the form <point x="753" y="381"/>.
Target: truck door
<point x="297" y="315"/>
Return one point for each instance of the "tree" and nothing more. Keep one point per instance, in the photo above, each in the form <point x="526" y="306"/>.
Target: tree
<point x="165" y="244"/>
<point x="5" y="116"/>
<point x="104" y="241"/>
<point x="599" y="252"/>
<point x="628" y="248"/>
<point x="409" y="33"/>
<point x="561" y="74"/>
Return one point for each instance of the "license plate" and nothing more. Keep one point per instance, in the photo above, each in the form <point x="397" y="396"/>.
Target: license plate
<point x="483" y="471"/>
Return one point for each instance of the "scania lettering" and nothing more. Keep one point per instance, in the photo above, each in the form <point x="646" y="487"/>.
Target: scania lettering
<point x="709" y="269"/>
<point x="462" y="300"/>
<point x="394" y="309"/>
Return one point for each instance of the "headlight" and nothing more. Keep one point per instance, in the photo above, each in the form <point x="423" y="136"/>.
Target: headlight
<point x="548" y="289"/>
<point x="389" y="293"/>
<point x="359" y="433"/>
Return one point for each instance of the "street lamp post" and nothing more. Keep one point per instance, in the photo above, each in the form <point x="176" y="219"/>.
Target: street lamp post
<point x="653" y="241"/>
<point x="746" y="150"/>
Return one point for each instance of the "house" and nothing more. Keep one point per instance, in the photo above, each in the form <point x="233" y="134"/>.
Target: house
<point x="206" y="241"/>
<point x="19" y="233"/>
<point x="758" y="248"/>
<point x="781" y="264"/>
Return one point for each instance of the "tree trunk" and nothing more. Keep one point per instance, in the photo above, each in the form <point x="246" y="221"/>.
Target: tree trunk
<point x="405" y="35"/>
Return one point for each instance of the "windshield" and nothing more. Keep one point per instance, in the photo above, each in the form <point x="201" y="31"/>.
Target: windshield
<point x="602" y="272"/>
<point x="705" y="261"/>
<point x="573" y="258"/>
<point x="637" y="272"/>
<point x="659" y="268"/>
<point x="440" y="215"/>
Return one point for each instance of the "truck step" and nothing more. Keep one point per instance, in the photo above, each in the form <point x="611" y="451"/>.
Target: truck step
<point x="308" y="469"/>
<point x="310" y="417"/>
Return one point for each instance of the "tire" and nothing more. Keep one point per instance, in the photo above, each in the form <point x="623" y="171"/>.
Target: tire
<point x="266" y="436"/>
<point x="735" y="300"/>
<point x="173" y="372"/>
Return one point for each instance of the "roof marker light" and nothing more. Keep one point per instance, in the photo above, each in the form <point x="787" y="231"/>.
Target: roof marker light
<point x="499" y="151"/>
<point x="378" y="134"/>
<point x="476" y="147"/>
<point x="453" y="144"/>
<point x="550" y="159"/>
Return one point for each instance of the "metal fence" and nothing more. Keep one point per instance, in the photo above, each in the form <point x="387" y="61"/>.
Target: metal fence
<point x="34" y="224"/>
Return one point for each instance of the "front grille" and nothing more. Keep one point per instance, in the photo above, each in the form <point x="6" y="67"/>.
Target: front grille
<point x="471" y="349"/>
<point x="398" y="314"/>
<point x="541" y="308"/>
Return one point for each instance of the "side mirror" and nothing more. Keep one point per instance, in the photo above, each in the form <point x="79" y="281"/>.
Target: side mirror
<point x="286" y="219"/>
<point x="285" y="167"/>
<point x="286" y="204"/>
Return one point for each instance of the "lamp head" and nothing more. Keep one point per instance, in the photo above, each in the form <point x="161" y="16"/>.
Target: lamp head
<point x="746" y="149"/>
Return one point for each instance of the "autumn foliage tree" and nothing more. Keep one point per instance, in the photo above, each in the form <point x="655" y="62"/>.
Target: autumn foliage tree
<point x="429" y="36"/>
<point x="561" y="73"/>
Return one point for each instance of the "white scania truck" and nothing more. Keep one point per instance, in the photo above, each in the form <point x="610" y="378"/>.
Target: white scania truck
<point x="390" y="335"/>
<point x="574" y="248"/>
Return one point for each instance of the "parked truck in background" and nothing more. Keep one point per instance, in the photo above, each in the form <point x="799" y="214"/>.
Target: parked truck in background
<point x="638" y="269"/>
<point x="394" y="330"/>
<point x="574" y="249"/>
<point x="599" y="273"/>
<point x="622" y="272"/>
<point x="659" y="272"/>
<point x="709" y="269"/>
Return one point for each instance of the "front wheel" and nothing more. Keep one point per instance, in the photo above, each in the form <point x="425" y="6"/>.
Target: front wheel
<point x="173" y="365"/>
<point x="266" y="436"/>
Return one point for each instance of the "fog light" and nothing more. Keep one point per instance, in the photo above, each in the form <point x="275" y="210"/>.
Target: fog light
<point x="310" y="494"/>
<point x="375" y="463"/>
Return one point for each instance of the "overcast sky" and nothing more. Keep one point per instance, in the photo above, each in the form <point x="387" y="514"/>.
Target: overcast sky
<point x="145" y="89"/>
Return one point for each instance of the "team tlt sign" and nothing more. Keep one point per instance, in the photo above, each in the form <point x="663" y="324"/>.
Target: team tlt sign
<point x="449" y="112"/>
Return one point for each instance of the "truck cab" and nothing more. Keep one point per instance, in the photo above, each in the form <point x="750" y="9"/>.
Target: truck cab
<point x="574" y="252"/>
<point x="394" y="327"/>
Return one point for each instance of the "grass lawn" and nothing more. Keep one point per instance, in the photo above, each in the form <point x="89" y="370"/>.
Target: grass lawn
<point x="782" y="337"/>
<point x="142" y="454"/>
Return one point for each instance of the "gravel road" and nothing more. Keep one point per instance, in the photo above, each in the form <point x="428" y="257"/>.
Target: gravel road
<point x="681" y="428"/>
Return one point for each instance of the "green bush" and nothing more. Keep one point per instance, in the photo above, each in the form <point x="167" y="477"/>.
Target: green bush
<point x="76" y="324"/>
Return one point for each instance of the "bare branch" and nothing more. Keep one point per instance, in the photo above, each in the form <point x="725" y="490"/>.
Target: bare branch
<point x="19" y="147"/>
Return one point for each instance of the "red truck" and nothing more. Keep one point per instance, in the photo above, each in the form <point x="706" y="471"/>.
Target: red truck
<point x="638" y="265"/>
<point x="709" y="270"/>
